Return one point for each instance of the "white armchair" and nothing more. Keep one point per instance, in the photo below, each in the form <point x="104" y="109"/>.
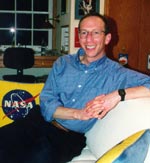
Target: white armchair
<point x="126" y="119"/>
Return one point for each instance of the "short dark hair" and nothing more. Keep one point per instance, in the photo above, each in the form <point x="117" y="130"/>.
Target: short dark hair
<point x="102" y="17"/>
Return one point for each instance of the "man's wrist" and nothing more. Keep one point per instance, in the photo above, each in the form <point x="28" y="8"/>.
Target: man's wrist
<point x="122" y="94"/>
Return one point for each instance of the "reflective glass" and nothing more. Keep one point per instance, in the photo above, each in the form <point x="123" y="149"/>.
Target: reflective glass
<point x="23" y="37"/>
<point x="6" y="37"/>
<point x="95" y="33"/>
<point x="7" y="20"/>
<point x="7" y="4"/>
<point x="24" y="5"/>
<point x="39" y="37"/>
<point x="24" y="21"/>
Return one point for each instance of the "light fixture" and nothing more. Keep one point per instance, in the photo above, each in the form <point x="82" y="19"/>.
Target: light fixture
<point x="48" y="24"/>
<point x="12" y="31"/>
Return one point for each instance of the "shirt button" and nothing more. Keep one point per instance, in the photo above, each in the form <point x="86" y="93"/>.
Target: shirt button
<point x="73" y="100"/>
<point x="86" y="71"/>
<point x="79" y="86"/>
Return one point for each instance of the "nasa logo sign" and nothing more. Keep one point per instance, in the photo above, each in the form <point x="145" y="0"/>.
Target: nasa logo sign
<point x="17" y="104"/>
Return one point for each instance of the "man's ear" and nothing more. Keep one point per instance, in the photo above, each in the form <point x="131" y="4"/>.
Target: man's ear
<point x="108" y="38"/>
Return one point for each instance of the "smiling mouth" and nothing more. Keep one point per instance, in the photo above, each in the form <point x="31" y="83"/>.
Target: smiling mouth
<point x="90" y="47"/>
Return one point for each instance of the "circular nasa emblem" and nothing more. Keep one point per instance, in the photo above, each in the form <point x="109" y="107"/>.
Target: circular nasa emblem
<point x="17" y="104"/>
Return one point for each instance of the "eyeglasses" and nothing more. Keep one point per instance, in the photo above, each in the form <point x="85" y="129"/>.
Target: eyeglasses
<point x="95" y="33"/>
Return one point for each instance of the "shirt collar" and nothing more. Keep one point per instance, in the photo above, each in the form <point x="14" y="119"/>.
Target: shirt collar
<point x="92" y="66"/>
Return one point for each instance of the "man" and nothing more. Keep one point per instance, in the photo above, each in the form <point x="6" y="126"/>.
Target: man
<point x="83" y="87"/>
<point x="80" y="89"/>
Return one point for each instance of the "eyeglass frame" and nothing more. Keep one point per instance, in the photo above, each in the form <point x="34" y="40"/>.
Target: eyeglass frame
<point x="91" y="33"/>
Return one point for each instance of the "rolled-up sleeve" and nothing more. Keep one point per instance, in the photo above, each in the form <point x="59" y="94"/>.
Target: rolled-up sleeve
<point x="49" y="98"/>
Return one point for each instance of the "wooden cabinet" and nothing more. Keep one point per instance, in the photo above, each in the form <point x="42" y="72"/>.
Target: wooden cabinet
<point x="39" y="62"/>
<point x="131" y="30"/>
<point x="1" y="62"/>
<point x="44" y="61"/>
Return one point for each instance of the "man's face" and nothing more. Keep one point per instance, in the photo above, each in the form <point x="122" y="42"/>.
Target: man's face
<point x="92" y="37"/>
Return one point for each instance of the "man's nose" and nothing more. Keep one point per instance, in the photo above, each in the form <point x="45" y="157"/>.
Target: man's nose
<point x="89" y="36"/>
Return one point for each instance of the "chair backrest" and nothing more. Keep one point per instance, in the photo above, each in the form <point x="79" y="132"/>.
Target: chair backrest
<point x="18" y="58"/>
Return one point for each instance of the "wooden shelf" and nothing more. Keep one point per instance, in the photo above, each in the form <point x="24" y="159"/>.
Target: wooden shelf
<point x="39" y="62"/>
<point x="44" y="61"/>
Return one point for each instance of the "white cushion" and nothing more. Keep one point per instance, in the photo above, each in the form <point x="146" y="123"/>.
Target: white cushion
<point x="147" y="159"/>
<point x="85" y="156"/>
<point x="126" y="119"/>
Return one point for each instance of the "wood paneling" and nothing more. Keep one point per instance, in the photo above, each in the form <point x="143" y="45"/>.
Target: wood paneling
<point x="132" y="30"/>
<point x="144" y="31"/>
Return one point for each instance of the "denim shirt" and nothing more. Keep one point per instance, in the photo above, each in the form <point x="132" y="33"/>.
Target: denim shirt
<point x="72" y="84"/>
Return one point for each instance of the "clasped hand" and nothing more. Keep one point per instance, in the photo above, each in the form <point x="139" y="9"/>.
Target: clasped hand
<point x="100" y="106"/>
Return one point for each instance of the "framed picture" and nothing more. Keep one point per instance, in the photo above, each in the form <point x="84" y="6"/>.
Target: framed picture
<point x="83" y="7"/>
<point x="76" y="38"/>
